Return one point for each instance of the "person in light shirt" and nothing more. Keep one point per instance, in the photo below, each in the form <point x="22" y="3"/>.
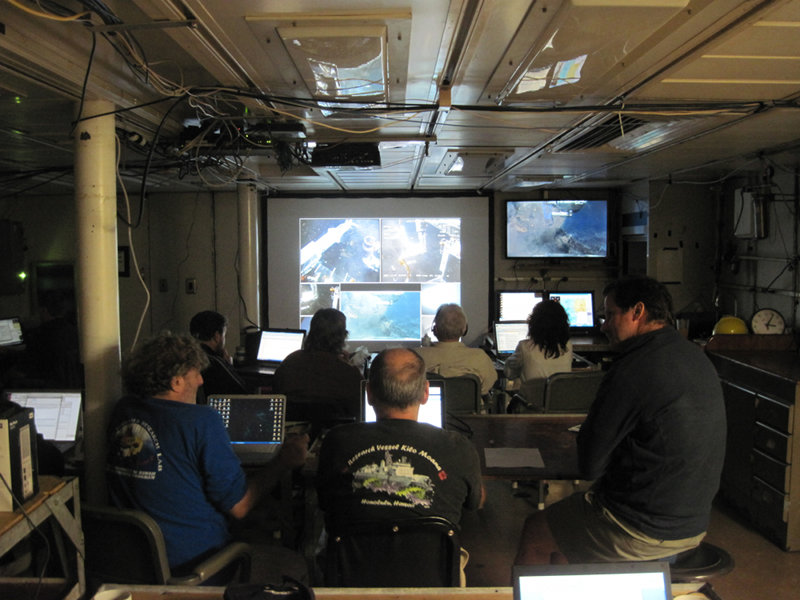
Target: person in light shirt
<point x="547" y="348"/>
<point x="449" y="356"/>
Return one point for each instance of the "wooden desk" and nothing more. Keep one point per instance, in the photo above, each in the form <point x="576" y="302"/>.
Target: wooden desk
<point x="547" y="432"/>
<point x="590" y="343"/>
<point x="467" y="593"/>
<point x="60" y="499"/>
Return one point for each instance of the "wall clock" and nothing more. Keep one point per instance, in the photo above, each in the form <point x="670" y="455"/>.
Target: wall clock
<point x="767" y="320"/>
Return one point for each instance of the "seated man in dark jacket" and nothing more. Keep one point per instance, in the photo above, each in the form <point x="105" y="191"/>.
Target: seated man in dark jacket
<point x="653" y="443"/>
<point x="211" y="329"/>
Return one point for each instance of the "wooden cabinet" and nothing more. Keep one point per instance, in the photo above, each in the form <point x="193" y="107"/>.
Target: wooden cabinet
<point x="761" y="475"/>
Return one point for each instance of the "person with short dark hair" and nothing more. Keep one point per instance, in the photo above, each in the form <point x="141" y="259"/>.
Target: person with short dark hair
<point x="321" y="375"/>
<point x="172" y="458"/>
<point x="653" y="443"/>
<point x="449" y="356"/>
<point x="547" y="348"/>
<point x="356" y="473"/>
<point x="211" y="329"/>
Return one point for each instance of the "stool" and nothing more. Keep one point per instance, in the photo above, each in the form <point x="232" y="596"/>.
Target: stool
<point x="701" y="564"/>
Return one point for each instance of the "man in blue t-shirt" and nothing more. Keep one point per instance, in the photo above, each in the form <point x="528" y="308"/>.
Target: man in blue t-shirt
<point x="172" y="458"/>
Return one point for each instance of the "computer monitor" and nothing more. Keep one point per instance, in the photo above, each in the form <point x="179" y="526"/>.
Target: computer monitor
<point x="579" y="307"/>
<point x="432" y="412"/>
<point x="56" y="413"/>
<point x="516" y="305"/>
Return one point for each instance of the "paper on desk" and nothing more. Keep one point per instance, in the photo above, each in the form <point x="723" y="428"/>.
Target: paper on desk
<point x="513" y="457"/>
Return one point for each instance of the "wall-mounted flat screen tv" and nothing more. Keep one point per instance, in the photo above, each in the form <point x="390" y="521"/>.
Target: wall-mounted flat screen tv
<point x="556" y="229"/>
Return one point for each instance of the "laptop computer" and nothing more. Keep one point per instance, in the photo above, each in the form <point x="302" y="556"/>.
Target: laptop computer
<point x="255" y="424"/>
<point x="55" y="412"/>
<point x="599" y="581"/>
<point x="507" y="335"/>
<point x="10" y="331"/>
<point x="270" y="346"/>
<point x="432" y="412"/>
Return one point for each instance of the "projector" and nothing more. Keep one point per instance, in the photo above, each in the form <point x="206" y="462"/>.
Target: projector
<point x="356" y="154"/>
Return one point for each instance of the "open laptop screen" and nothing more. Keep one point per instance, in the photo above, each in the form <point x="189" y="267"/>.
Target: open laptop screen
<point x="507" y="335"/>
<point x="254" y="422"/>
<point x="10" y="332"/>
<point x="55" y="412"/>
<point x="579" y="307"/>
<point x="276" y="344"/>
<point x="600" y="581"/>
<point x="432" y="412"/>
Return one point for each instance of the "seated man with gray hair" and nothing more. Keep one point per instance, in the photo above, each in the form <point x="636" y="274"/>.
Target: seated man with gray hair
<point x="449" y="356"/>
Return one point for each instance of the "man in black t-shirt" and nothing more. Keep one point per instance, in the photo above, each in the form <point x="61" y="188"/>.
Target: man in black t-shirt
<point x="396" y="467"/>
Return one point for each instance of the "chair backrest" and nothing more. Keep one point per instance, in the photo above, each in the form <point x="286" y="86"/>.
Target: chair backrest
<point x="417" y="552"/>
<point x="123" y="546"/>
<point x="462" y="393"/>
<point x="531" y="399"/>
<point x="571" y="392"/>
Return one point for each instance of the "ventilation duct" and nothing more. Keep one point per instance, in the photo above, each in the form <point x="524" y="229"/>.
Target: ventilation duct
<point x="602" y="133"/>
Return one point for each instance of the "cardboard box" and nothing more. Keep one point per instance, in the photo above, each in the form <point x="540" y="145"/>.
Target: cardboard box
<point x="18" y="458"/>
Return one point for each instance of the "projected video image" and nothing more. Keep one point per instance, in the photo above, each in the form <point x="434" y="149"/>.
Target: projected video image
<point x="556" y="228"/>
<point x="340" y="250"/>
<point x="421" y="250"/>
<point x="316" y="296"/>
<point x="388" y="276"/>
<point x="433" y="296"/>
<point x="382" y="315"/>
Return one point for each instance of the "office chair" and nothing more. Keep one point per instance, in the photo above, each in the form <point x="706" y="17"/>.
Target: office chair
<point x="127" y="546"/>
<point x="462" y="394"/>
<point x="571" y="392"/>
<point x="416" y="552"/>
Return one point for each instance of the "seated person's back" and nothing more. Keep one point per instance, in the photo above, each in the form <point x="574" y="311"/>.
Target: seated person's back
<point x="320" y="373"/>
<point x="449" y="357"/>
<point x="396" y="467"/>
<point x="547" y="349"/>
<point x="172" y="458"/>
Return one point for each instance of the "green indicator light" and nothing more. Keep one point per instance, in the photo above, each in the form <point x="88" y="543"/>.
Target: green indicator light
<point x="17" y="99"/>
<point x="22" y="275"/>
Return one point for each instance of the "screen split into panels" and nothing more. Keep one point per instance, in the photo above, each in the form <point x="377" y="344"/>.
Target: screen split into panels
<point x="387" y="275"/>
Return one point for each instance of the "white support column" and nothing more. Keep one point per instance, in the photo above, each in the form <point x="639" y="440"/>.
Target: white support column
<point x="98" y="286"/>
<point x="249" y="264"/>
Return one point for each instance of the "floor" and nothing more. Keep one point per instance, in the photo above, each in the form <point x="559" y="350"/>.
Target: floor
<point x="762" y="571"/>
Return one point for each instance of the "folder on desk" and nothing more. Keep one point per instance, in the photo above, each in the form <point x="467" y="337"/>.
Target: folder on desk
<point x="513" y="458"/>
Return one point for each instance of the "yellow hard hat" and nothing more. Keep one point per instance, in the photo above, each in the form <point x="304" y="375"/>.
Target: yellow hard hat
<point x="730" y="324"/>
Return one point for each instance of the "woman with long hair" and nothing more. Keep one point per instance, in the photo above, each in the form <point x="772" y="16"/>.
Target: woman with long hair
<point x="547" y="348"/>
<point x="320" y="377"/>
